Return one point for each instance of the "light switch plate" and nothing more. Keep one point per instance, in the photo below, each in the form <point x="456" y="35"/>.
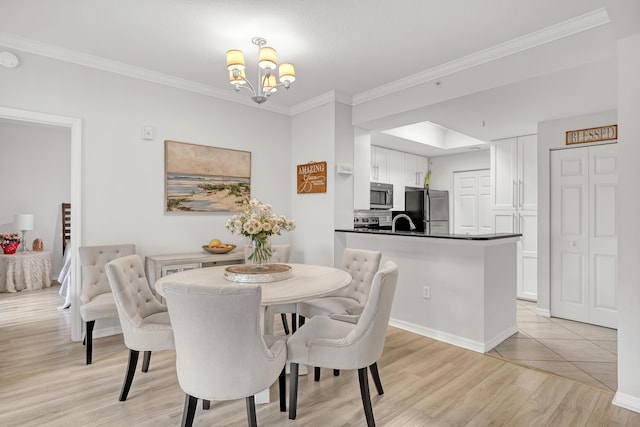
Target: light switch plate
<point x="147" y="133"/>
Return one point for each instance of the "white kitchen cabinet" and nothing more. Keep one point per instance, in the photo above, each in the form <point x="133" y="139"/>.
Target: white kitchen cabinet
<point x="379" y="164"/>
<point x="414" y="170"/>
<point x="515" y="194"/>
<point x="396" y="170"/>
<point x="514" y="171"/>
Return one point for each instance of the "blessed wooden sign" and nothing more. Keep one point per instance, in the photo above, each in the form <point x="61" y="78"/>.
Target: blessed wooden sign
<point x="602" y="133"/>
<point x="312" y="177"/>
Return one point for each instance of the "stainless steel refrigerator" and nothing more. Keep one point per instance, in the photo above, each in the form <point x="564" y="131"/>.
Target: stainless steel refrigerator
<point x="428" y="209"/>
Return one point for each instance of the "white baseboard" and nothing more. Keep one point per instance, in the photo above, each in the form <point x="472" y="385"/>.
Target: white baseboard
<point x="543" y="312"/>
<point x="480" y="347"/>
<point x="626" y="401"/>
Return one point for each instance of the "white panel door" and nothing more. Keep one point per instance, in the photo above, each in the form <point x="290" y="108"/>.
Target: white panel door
<point x="472" y="202"/>
<point x="465" y="205"/>
<point x="603" y="254"/>
<point x="569" y="234"/>
<point x="584" y="234"/>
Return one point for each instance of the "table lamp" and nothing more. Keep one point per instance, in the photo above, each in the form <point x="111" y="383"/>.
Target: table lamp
<point x="24" y="223"/>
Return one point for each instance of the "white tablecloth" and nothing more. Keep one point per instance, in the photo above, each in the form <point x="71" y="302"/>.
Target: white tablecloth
<point x="25" y="271"/>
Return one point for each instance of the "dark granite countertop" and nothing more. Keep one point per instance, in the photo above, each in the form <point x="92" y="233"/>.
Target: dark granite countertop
<point x="489" y="236"/>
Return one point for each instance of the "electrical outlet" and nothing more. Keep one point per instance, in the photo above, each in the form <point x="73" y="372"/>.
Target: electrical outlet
<point x="426" y="292"/>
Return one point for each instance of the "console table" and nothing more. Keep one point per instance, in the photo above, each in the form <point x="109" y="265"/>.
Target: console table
<point x="158" y="266"/>
<point x="25" y="271"/>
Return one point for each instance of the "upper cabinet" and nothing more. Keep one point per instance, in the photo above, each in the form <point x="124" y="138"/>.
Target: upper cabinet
<point x="414" y="169"/>
<point x="379" y="164"/>
<point x="515" y="177"/>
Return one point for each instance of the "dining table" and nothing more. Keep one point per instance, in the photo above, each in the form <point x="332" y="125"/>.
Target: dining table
<point x="306" y="282"/>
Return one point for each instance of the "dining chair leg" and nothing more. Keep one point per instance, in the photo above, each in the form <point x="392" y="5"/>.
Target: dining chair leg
<point x="293" y="390"/>
<point x="376" y="378"/>
<point x="131" y="370"/>
<point x="300" y="321"/>
<point x="282" y="387"/>
<point x="316" y="374"/>
<point x="294" y="322"/>
<point x="206" y="404"/>
<point x="251" y="411"/>
<point x="285" y="324"/>
<point x="88" y="339"/>
<point x="366" y="398"/>
<point x="145" y="361"/>
<point x="189" y="411"/>
<point x="336" y="372"/>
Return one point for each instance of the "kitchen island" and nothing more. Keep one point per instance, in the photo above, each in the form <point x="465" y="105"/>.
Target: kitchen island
<point x="459" y="289"/>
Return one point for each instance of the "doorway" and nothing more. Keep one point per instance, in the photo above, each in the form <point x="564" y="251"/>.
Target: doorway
<point x="584" y="244"/>
<point x="75" y="125"/>
<point x="472" y="202"/>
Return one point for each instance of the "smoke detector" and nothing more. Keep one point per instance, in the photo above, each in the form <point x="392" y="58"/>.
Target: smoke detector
<point x="8" y="59"/>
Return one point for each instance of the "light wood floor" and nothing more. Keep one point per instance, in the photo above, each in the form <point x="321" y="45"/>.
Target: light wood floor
<point x="44" y="381"/>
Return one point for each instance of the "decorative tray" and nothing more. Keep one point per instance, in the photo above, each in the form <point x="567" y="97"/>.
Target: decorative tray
<point x="252" y="273"/>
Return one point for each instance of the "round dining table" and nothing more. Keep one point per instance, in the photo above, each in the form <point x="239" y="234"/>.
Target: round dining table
<point x="306" y="282"/>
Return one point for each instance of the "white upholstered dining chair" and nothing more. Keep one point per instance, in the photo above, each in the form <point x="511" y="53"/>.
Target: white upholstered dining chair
<point x="145" y="321"/>
<point x="347" y="341"/>
<point x="221" y="353"/>
<point x="362" y="265"/>
<point x="95" y="294"/>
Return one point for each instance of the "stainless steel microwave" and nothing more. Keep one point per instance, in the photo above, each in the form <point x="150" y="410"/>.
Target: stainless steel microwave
<point x="381" y="196"/>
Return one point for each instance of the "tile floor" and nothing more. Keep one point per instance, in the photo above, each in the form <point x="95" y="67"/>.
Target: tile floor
<point x="583" y="352"/>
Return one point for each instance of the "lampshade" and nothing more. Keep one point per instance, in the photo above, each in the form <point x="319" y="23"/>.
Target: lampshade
<point x="240" y="80"/>
<point x="235" y="59"/>
<point x="267" y="58"/>
<point x="270" y="84"/>
<point x="286" y="73"/>
<point x="23" y="221"/>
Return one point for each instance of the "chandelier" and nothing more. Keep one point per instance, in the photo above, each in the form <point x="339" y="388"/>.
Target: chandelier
<point x="266" y="79"/>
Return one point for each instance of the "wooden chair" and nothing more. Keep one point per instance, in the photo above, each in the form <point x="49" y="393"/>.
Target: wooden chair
<point x="66" y="225"/>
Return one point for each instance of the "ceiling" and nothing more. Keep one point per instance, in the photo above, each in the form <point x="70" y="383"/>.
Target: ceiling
<point x="352" y="47"/>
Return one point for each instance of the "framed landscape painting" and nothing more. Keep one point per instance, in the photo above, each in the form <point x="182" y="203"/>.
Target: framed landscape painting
<point x="200" y="178"/>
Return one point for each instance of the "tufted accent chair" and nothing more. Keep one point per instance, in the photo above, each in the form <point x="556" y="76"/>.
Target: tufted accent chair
<point x="221" y="353"/>
<point x="144" y="319"/>
<point x="341" y="343"/>
<point x="95" y="293"/>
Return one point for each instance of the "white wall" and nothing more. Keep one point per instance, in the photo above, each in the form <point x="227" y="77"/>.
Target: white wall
<point x="313" y="140"/>
<point x="35" y="174"/>
<point x="123" y="176"/>
<point x="344" y="184"/>
<point x="552" y="135"/>
<point x="443" y="167"/>
<point x="628" y="394"/>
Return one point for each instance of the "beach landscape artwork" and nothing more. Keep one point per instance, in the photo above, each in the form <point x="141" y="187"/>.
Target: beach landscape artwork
<point x="200" y="178"/>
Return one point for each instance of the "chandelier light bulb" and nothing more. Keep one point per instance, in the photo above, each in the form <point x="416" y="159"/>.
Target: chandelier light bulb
<point x="235" y="59"/>
<point x="267" y="58"/>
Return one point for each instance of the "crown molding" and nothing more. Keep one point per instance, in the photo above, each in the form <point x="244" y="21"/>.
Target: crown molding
<point x="558" y="31"/>
<point x="92" y="61"/>
<point x="325" y="98"/>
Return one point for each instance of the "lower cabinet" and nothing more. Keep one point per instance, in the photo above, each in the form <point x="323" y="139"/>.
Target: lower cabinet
<point x="525" y="223"/>
<point x="158" y="266"/>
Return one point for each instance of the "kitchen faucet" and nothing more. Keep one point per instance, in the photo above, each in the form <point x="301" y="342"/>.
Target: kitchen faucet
<point x="393" y="223"/>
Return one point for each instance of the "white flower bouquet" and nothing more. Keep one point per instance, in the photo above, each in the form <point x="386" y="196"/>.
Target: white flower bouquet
<point x="258" y="222"/>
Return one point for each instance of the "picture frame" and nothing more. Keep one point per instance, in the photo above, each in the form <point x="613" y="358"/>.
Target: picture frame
<point x="206" y="179"/>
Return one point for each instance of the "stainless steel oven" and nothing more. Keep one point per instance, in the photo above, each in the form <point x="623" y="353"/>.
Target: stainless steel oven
<point x="381" y="196"/>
